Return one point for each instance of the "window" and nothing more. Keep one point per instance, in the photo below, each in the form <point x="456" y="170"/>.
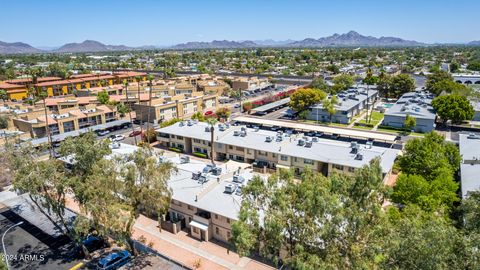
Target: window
<point x="351" y="169"/>
<point x="190" y="207"/>
<point x="295" y="159"/>
<point x="180" y="137"/>
<point x="216" y="216"/>
<point x="230" y="147"/>
<point x="195" y="230"/>
<point x="230" y="156"/>
<point x="262" y="153"/>
<point x="217" y="230"/>
<point x="196" y="140"/>
<point x="228" y="235"/>
<point x="239" y="148"/>
<point x="284" y="158"/>
<point x="338" y="167"/>
<point x="228" y="220"/>
<point x="308" y="161"/>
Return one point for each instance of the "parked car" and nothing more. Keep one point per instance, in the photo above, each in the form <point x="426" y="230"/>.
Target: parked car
<point x="103" y="132"/>
<point x="236" y="106"/>
<point x="135" y="133"/>
<point x="92" y="243"/>
<point x="114" y="260"/>
<point x="117" y="138"/>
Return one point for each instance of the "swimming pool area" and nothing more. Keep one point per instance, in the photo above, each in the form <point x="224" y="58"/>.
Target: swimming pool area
<point x="387" y="105"/>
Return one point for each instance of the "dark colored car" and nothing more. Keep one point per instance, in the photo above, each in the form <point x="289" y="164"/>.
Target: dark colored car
<point x="135" y="133"/>
<point x="114" y="260"/>
<point x="92" y="243"/>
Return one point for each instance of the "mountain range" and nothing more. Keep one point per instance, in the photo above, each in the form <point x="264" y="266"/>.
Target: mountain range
<point x="350" y="39"/>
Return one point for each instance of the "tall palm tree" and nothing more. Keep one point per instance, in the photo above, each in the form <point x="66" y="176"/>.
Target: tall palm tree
<point x="44" y="95"/>
<point x="139" y="79"/>
<point x="150" y="84"/>
<point x="211" y="122"/>
<point x="125" y="85"/>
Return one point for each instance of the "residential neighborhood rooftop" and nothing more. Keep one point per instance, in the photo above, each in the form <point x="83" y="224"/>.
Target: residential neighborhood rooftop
<point x="470" y="167"/>
<point x="416" y="104"/>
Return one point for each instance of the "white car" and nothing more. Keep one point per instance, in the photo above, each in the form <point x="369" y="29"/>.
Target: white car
<point x="103" y="132"/>
<point x="117" y="138"/>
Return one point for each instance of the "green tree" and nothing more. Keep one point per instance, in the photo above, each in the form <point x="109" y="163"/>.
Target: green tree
<point x="410" y="122"/>
<point x="247" y="106"/>
<point x="3" y="95"/>
<point x="453" y="107"/>
<point x="4" y="121"/>
<point x="103" y="97"/>
<point x="428" y="156"/>
<point x="44" y="181"/>
<point x="170" y="122"/>
<point x="223" y="113"/>
<point x="383" y="84"/>
<point x="329" y="106"/>
<point x="401" y="84"/>
<point x="474" y="65"/>
<point x="454" y="66"/>
<point x="303" y="98"/>
<point x="342" y="82"/>
<point x="437" y="76"/>
<point x="198" y="116"/>
<point x="320" y="84"/>
<point x="471" y="212"/>
<point x="421" y="240"/>
<point x="123" y="109"/>
<point x="449" y="87"/>
<point x="317" y="222"/>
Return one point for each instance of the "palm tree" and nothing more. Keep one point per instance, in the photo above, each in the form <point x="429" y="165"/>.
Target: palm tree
<point x="43" y="96"/>
<point x="211" y="122"/>
<point x="150" y="84"/>
<point x="139" y="79"/>
<point x="125" y="85"/>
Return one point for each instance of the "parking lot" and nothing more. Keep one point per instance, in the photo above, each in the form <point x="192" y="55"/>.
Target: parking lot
<point x="30" y="248"/>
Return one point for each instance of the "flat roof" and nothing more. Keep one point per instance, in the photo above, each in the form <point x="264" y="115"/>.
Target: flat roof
<point x="209" y="196"/>
<point x="63" y="136"/>
<point x="350" y="98"/>
<point x="272" y="105"/>
<point x="416" y="104"/>
<point x="470" y="167"/>
<point x="327" y="151"/>
<point x="317" y="128"/>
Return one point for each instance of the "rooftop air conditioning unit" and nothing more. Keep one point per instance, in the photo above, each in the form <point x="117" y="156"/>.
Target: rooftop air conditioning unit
<point x="314" y="139"/>
<point x="301" y="142"/>
<point x="243" y="133"/>
<point x="230" y="188"/>
<point x="238" y="179"/>
<point x="207" y="129"/>
<point x="308" y="144"/>
<point x="257" y="128"/>
<point x="189" y="123"/>
<point x="359" y="156"/>
<point x="236" y="133"/>
<point x="221" y="127"/>
<point x="279" y="139"/>
<point x="473" y="136"/>
<point x="268" y="139"/>
<point x="369" y="144"/>
<point x="181" y="124"/>
<point x="353" y="144"/>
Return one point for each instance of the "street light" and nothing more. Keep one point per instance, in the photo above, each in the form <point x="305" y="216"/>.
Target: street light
<point x="3" y="242"/>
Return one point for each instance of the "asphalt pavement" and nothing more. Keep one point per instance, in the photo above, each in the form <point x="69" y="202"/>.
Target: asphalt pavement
<point x="28" y="247"/>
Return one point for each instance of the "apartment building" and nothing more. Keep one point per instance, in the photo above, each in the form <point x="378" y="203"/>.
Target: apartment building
<point x="470" y="166"/>
<point x="248" y="84"/>
<point x="417" y="105"/>
<point x="205" y="207"/>
<point x="178" y="106"/>
<point x="212" y="86"/>
<point x="268" y="149"/>
<point x="55" y="86"/>
<point x="14" y="91"/>
<point x="64" y="116"/>
<point x="116" y="89"/>
<point x="350" y="103"/>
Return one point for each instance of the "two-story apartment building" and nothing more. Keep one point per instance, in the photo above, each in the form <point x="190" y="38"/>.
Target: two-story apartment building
<point x="417" y="105"/>
<point x="64" y="117"/>
<point x="178" y="106"/>
<point x="350" y="103"/>
<point x="270" y="149"/>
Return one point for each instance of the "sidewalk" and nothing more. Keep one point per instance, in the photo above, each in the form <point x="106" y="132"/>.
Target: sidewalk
<point x="187" y="250"/>
<point x="184" y="249"/>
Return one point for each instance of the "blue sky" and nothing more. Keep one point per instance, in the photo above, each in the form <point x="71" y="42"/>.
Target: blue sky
<point x="149" y="22"/>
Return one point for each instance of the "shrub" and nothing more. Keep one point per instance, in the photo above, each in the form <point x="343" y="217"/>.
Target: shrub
<point x="175" y="149"/>
<point x="200" y="154"/>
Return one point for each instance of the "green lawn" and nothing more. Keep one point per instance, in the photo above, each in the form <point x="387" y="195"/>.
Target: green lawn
<point x="376" y="118"/>
<point x="362" y="127"/>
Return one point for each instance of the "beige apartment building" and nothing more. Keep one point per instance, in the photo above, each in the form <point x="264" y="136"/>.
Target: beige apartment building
<point x="65" y="116"/>
<point x="271" y="150"/>
<point x="178" y="106"/>
<point x="251" y="83"/>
